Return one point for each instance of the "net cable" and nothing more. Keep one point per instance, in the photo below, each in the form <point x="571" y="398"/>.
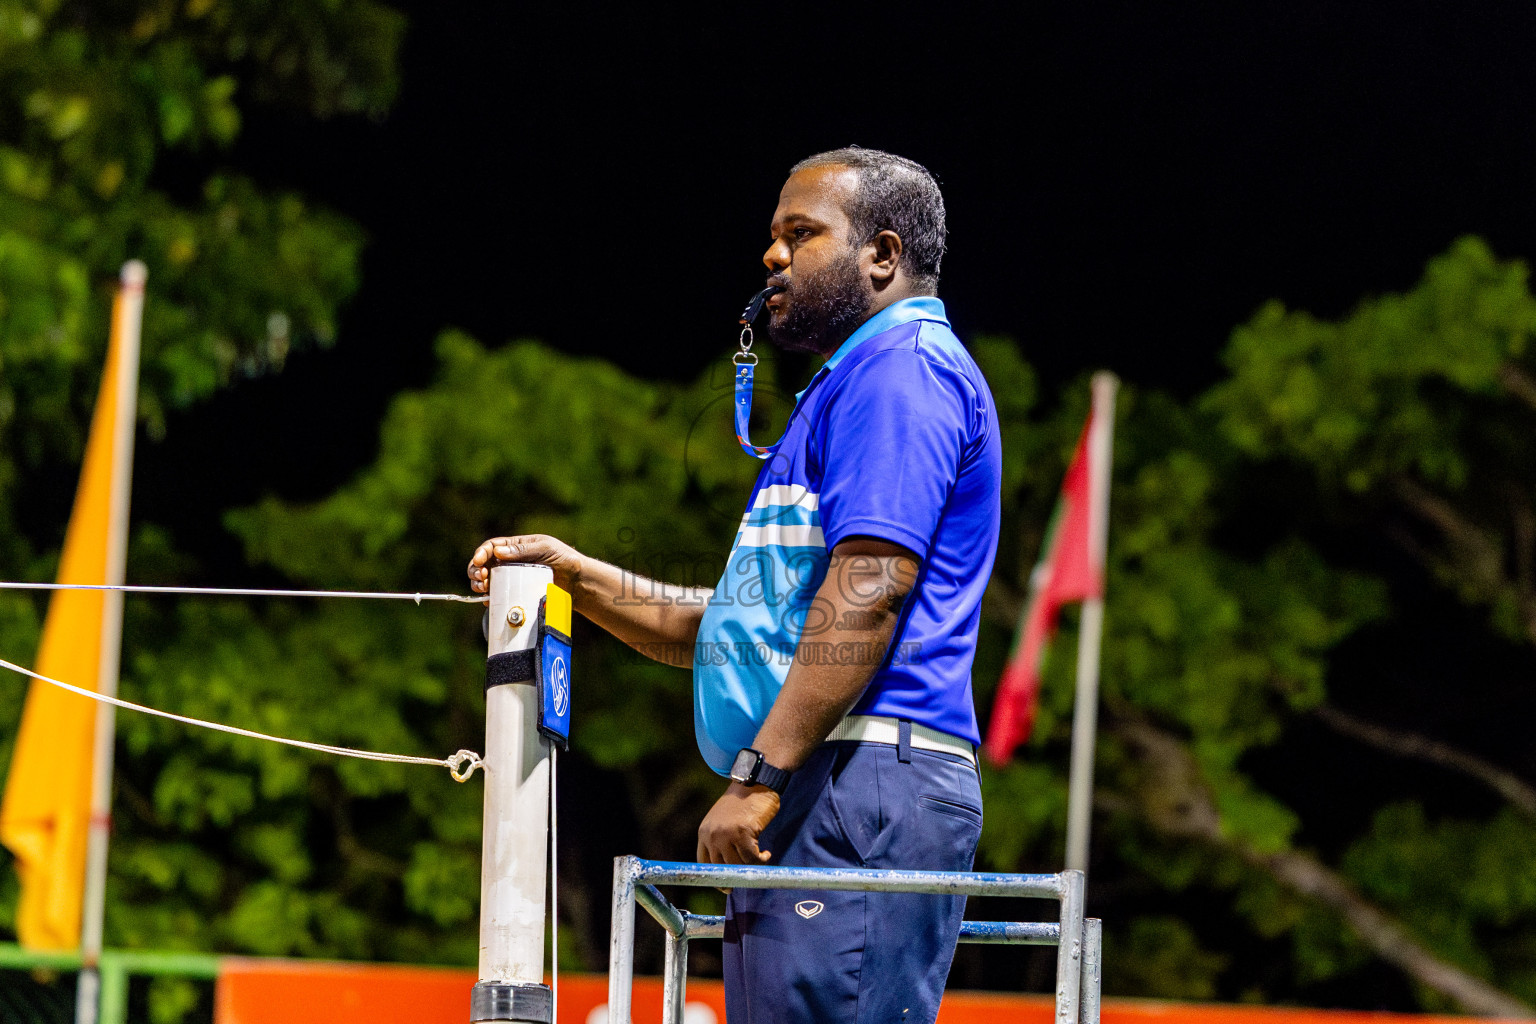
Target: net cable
<point x="377" y="595"/>
<point x="461" y="765"/>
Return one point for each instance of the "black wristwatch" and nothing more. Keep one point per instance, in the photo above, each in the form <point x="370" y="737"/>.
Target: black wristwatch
<point x="750" y="769"/>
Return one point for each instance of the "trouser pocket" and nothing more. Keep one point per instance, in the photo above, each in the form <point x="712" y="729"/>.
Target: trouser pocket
<point x="853" y="801"/>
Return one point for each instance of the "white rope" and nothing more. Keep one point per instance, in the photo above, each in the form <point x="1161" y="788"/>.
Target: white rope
<point x="248" y="592"/>
<point x="461" y="765"/>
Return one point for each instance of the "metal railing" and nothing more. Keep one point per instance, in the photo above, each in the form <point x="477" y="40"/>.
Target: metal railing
<point x="1077" y="939"/>
<point x="117" y="966"/>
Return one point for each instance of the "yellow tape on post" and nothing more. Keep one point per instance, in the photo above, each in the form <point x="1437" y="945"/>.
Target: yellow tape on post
<point x="557" y="609"/>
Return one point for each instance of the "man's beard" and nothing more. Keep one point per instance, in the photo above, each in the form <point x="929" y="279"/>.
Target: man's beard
<point x="823" y="310"/>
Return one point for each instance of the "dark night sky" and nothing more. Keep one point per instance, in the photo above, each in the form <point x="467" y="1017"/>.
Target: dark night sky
<point x="1125" y="184"/>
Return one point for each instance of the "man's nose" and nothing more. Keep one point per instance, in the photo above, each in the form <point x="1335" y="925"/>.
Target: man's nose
<point x="776" y="259"/>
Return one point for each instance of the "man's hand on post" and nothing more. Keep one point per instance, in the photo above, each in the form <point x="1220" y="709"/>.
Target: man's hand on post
<point x="728" y="834"/>
<point x="531" y="549"/>
<point x="660" y="620"/>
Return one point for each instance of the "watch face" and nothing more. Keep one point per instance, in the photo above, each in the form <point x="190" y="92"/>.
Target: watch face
<point x="746" y="760"/>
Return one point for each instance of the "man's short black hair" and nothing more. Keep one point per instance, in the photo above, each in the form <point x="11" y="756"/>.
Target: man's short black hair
<point x="895" y="194"/>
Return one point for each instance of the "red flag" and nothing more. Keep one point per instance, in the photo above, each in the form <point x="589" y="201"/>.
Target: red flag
<point x="1065" y="573"/>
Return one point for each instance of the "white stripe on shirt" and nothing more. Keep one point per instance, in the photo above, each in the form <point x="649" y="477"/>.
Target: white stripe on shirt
<point x="778" y="534"/>
<point x="787" y="494"/>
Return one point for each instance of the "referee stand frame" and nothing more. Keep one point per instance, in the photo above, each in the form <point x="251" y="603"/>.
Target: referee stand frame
<point x="1078" y="940"/>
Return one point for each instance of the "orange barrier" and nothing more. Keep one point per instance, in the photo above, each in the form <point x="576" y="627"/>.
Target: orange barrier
<point x="261" y="991"/>
<point x="299" y="992"/>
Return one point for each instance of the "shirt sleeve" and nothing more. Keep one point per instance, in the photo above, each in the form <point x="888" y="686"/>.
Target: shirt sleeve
<point x="891" y="444"/>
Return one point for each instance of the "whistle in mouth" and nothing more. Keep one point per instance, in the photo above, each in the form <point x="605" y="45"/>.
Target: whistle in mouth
<point x="756" y="305"/>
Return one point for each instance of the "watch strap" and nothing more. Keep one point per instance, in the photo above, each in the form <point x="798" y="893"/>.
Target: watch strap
<point x="774" y="778"/>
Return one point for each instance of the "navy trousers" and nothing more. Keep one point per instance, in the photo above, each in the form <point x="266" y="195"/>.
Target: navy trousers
<point x="815" y="957"/>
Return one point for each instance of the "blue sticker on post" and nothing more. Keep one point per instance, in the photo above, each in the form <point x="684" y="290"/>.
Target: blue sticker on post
<point x="555" y="686"/>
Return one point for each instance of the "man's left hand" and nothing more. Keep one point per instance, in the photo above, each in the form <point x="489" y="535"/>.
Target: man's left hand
<point x="728" y="834"/>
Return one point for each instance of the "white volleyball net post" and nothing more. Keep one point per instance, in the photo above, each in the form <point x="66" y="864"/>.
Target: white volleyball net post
<point x="514" y="849"/>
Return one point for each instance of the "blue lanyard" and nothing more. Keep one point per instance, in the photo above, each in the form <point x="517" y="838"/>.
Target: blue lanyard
<point x="746" y="364"/>
<point x="744" y="370"/>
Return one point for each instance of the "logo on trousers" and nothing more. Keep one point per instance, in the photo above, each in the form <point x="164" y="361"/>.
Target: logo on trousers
<point x="808" y="909"/>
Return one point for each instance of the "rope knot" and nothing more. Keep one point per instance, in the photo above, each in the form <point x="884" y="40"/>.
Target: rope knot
<point x="457" y="767"/>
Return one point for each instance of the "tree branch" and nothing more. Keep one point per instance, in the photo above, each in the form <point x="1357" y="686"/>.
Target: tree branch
<point x="1478" y="556"/>
<point x="1518" y="383"/>
<point x="1523" y="519"/>
<point x="1421" y="748"/>
<point x="1386" y="936"/>
<point x="1474" y="560"/>
<point x="1175" y="800"/>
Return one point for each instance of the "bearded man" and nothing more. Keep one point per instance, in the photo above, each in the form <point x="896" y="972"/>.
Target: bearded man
<point x="832" y="661"/>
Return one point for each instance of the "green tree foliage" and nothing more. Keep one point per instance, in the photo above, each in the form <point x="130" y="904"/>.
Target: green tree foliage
<point x="116" y="121"/>
<point x="96" y="99"/>
<point x="1420" y="403"/>
<point x="1410" y="419"/>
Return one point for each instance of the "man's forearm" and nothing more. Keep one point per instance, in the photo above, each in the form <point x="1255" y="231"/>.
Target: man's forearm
<point x="817" y="696"/>
<point x="660" y="620"/>
<point x="861" y="600"/>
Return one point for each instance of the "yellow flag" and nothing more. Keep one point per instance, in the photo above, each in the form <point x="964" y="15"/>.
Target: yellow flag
<point x="46" y="813"/>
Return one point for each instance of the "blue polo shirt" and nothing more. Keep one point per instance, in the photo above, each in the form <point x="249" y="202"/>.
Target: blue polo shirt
<point x="896" y="437"/>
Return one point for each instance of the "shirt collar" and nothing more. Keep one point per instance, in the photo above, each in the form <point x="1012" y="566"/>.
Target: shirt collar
<point x="919" y="307"/>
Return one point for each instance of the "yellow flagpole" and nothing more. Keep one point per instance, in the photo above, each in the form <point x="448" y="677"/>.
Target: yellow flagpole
<point x="57" y="795"/>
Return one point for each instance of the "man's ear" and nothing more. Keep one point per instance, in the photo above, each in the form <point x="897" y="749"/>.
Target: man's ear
<point x="887" y="257"/>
